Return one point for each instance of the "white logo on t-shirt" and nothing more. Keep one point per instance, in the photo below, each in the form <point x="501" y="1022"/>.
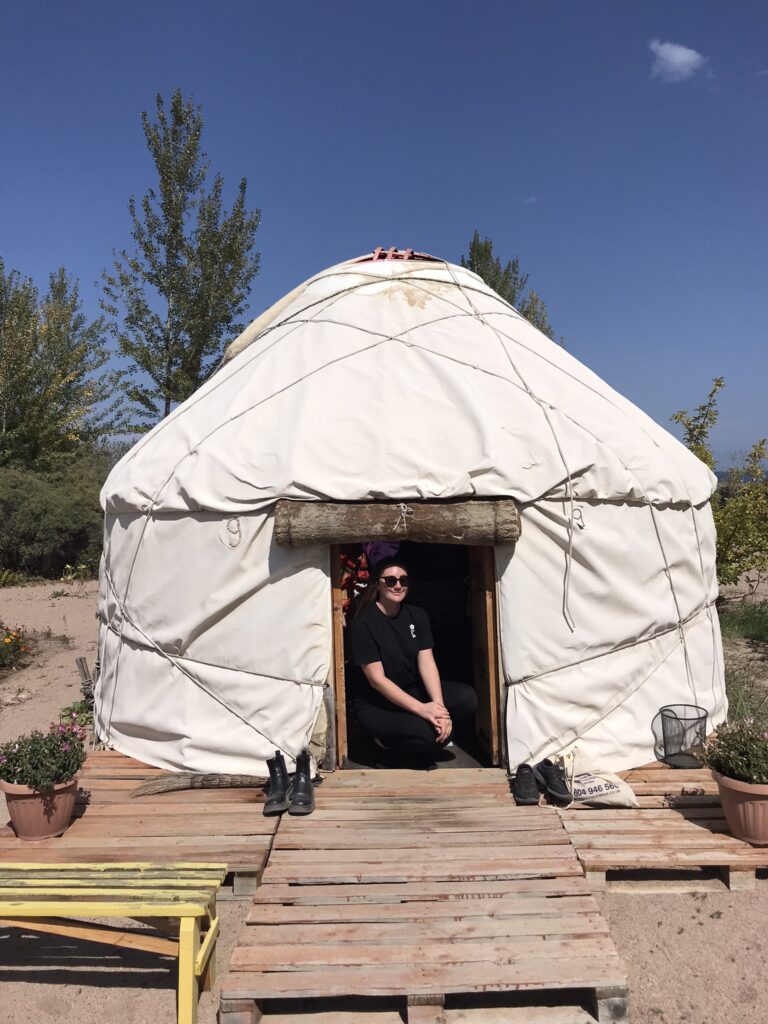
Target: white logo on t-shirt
<point x="413" y="631"/>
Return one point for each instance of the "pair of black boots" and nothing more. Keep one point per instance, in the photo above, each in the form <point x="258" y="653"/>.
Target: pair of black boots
<point x="294" y="795"/>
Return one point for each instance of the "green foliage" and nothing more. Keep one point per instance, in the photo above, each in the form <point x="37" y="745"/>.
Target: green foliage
<point x="51" y="518"/>
<point x="747" y="696"/>
<point x="740" y="509"/>
<point x="87" y="570"/>
<point x="82" y="710"/>
<point x="508" y="281"/>
<point x="739" y="750"/>
<point x="747" y="619"/>
<point x="14" y="648"/>
<point x="176" y="297"/>
<point x="9" y="578"/>
<point x="56" y="394"/>
<point x="43" y="760"/>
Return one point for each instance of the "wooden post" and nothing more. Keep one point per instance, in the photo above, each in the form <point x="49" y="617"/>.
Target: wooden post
<point x="485" y="642"/>
<point x="339" y="682"/>
<point x="189" y="985"/>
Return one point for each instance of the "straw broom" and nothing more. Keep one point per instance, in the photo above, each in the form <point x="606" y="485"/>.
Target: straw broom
<point x="174" y="781"/>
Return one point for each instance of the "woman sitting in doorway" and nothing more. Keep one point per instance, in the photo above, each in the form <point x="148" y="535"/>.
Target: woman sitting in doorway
<point x="401" y="699"/>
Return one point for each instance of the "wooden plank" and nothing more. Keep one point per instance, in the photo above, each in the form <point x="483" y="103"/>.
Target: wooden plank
<point x="381" y="873"/>
<point x="461" y="890"/>
<point x="480" y="927"/>
<point x="544" y="973"/>
<point x="465" y="911"/>
<point x="91" y="933"/>
<point x="560" y="849"/>
<point x="107" y="908"/>
<point x="346" y="955"/>
<point x="343" y="839"/>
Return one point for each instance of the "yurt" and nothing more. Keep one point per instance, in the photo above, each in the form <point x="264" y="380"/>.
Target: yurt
<point x="565" y="538"/>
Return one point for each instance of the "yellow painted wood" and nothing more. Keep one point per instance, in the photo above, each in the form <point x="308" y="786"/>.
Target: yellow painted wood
<point x="162" y="893"/>
<point x="219" y="870"/>
<point x="206" y="948"/>
<point x="93" y="933"/>
<point x="189" y="985"/>
<point x="123" y="881"/>
<point x="107" y="908"/>
<point x="41" y="897"/>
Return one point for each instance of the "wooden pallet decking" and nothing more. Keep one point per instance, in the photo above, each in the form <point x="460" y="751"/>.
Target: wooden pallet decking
<point x="421" y="887"/>
<point x="225" y="825"/>
<point x="679" y="826"/>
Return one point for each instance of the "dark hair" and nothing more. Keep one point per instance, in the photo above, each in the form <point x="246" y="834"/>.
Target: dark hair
<point x="374" y="573"/>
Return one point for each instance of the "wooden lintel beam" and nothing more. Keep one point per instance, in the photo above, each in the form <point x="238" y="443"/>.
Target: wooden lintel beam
<point x="492" y="522"/>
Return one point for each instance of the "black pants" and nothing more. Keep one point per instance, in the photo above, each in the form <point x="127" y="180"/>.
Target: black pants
<point x="402" y="730"/>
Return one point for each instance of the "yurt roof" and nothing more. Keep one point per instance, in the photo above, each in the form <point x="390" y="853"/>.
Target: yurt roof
<point x="395" y="378"/>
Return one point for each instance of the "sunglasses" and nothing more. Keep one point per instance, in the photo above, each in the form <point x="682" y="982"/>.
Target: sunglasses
<point x="392" y="581"/>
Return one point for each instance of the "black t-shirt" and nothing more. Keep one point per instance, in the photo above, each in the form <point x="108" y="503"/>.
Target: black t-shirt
<point x="395" y="641"/>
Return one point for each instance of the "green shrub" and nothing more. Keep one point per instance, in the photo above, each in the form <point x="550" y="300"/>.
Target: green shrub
<point x="747" y="619"/>
<point x="9" y="578"/>
<point x="14" y="648"/>
<point x="51" y="518"/>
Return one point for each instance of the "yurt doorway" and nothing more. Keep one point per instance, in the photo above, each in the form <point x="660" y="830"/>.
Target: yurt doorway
<point x="455" y="584"/>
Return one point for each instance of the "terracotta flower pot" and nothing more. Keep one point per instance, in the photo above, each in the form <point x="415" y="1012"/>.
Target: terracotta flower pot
<point x="745" y="806"/>
<point x="40" y="815"/>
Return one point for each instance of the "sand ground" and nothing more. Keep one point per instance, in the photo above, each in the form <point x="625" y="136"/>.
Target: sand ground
<point x="692" y="958"/>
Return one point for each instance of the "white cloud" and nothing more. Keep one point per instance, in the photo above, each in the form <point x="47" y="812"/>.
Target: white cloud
<point x="675" y="63"/>
<point x="530" y="200"/>
<point x="762" y="71"/>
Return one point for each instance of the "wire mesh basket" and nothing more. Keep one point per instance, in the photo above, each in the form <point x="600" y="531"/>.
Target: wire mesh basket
<point x="684" y="730"/>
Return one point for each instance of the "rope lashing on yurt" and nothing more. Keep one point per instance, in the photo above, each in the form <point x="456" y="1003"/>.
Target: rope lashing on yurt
<point x="402" y="520"/>
<point x="295" y="322"/>
<point x="566" y="737"/>
<point x="624" y="645"/>
<point x="534" y="398"/>
<point x="125" y="617"/>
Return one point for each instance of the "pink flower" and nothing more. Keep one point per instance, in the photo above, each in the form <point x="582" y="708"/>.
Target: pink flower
<point x="65" y="746"/>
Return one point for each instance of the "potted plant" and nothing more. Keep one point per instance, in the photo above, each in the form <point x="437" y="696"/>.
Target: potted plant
<point x="38" y="774"/>
<point x="738" y="756"/>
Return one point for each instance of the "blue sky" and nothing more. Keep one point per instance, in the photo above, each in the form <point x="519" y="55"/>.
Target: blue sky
<point x="619" y="147"/>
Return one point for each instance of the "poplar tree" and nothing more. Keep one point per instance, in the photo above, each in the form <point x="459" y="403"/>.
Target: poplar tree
<point x="58" y="395"/>
<point x="509" y="281"/>
<point x="175" y="298"/>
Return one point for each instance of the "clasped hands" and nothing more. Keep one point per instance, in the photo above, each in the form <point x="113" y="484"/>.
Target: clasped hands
<point x="439" y="718"/>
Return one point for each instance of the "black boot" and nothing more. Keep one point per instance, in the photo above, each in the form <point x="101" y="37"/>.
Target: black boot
<point x="279" y="786"/>
<point x="302" y="794"/>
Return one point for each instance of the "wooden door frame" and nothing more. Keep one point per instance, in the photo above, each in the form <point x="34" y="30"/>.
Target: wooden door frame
<point x="337" y="688"/>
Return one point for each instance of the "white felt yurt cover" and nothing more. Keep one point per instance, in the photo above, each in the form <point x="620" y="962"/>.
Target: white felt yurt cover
<point x="402" y="379"/>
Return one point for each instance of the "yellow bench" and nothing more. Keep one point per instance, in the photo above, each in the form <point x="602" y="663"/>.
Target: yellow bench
<point x="46" y="898"/>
